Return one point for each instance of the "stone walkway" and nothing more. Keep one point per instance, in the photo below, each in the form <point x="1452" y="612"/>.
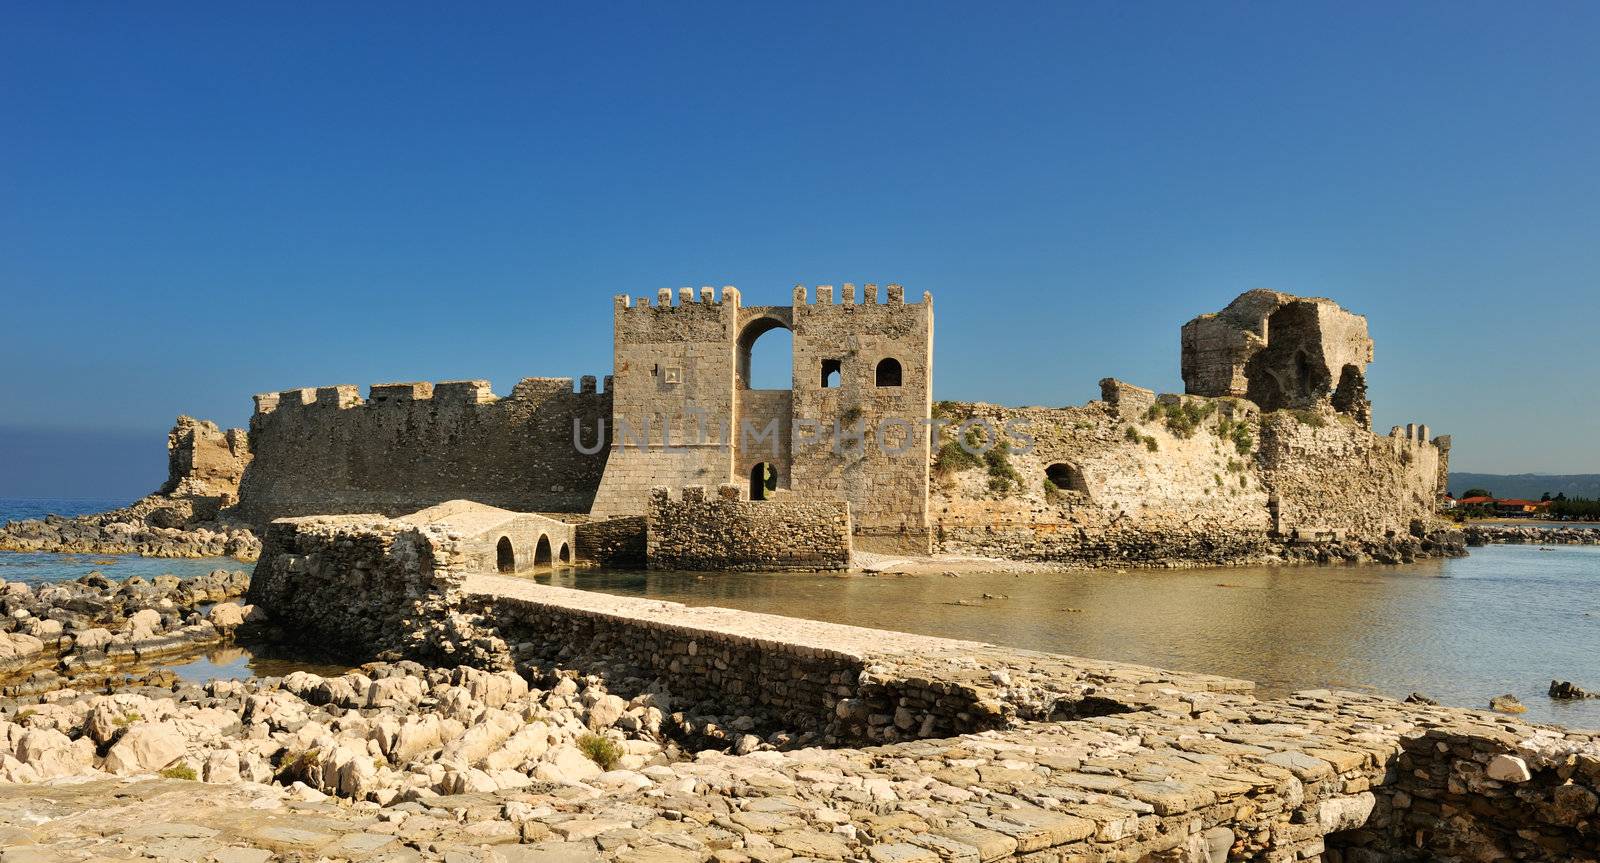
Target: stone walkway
<point x="1268" y="781"/>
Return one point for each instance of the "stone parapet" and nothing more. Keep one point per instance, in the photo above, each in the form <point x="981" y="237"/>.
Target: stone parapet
<point x="723" y="532"/>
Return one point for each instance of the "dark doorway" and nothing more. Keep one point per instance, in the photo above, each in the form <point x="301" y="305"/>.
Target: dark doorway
<point x="505" y="558"/>
<point x="541" y="555"/>
<point x="1066" y="477"/>
<point x="763" y="481"/>
<point x="889" y="373"/>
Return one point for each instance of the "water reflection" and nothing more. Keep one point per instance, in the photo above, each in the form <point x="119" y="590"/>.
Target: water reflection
<point x="1506" y="619"/>
<point x="244" y="661"/>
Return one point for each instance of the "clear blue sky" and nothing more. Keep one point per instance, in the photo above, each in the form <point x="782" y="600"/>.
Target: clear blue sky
<point x="198" y="203"/>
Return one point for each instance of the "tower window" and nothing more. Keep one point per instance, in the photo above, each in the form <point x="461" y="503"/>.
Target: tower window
<point x="888" y="373"/>
<point x="832" y="371"/>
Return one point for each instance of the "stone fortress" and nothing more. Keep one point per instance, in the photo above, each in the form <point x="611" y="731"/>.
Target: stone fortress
<point x="1267" y="455"/>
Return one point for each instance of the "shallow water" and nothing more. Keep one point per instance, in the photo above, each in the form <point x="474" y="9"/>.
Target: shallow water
<point x="1506" y="619"/>
<point x="40" y="568"/>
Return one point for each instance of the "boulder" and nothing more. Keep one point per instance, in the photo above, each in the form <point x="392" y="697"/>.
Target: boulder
<point x="226" y="616"/>
<point x="143" y="748"/>
<point x="17" y="646"/>
<point x="93" y="639"/>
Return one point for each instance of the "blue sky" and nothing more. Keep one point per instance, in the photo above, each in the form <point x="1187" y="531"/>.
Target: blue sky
<point x="198" y="203"/>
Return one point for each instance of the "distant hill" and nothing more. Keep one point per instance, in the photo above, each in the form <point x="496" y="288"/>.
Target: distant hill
<point x="1528" y="485"/>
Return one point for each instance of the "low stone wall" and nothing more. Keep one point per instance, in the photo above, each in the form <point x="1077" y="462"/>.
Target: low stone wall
<point x="726" y="533"/>
<point x="843" y="683"/>
<point x="615" y="542"/>
<point x="361" y="583"/>
<point x="1072" y="544"/>
<point x="1483" y="788"/>
<point x="1490" y="534"/>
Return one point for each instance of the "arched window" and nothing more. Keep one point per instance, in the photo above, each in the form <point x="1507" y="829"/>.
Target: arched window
<point x="505" y="558"/>
<point x="832" y="370"/>
<point x="541" y="554"/>
<point x="766" y="358"/>
<point x="763" y="481"/>
<point x="888" y="372"/>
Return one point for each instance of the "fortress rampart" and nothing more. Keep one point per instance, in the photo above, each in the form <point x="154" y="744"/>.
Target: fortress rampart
<point x="411" y="445"/>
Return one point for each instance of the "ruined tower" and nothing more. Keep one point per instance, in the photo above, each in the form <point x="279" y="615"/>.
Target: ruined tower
<point x="1281" y="351"/>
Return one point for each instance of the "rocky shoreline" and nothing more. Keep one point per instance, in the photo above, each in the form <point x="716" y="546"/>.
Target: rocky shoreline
<point x="1530" y="535"/>
<point x="90" y="632"/>
<point x="154" y="526"/>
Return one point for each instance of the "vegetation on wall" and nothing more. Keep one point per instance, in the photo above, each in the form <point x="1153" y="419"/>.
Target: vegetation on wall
<point x="1003" y="478"/>
<point x="1181" y="418"/>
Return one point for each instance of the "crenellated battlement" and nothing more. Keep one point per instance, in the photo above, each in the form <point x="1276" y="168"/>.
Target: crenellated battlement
<point x="468" y="392"/>
<point x="894" y="295"/>
<point x="707" y="296"/>
<point x="1413" y="433"/>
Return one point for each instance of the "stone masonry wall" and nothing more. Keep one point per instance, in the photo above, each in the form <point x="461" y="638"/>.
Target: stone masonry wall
<point x="204" y="462"/>
<point x="1330" y="473"/>
<point x="410" y="446"/>
<point x="880" y="466"/>
<point x="726" y="533"/>
<point x="673" y="370"/>
<point x="1136" y="480"/>
<point x="363" y="584"/>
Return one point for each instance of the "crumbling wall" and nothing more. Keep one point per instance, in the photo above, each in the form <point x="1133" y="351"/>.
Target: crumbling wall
<point x="727" y="533"/>
<point x="364" y="584"/>
<point x="410" y="446"/>
<point x="205" y="462"/>
<point x="1479" y="789"/>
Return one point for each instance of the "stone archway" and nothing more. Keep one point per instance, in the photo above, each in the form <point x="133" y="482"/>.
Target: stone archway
<point x="505" y="557"/>
<point x="763" y="480"/>
<point x="541" y="553"/>
<point x="747" y="373"/>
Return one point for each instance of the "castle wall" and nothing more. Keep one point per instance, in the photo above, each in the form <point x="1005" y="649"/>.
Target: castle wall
<point x="409" y="446"/>
<point x="1146" y="488"/>
<point x="723" y="532"/>
<point x="1335" y="475"/>
<point x="880" y="462"/>
<point x="1195" y="498"/>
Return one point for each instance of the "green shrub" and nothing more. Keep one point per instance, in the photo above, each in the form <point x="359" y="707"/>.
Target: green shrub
<point x="1311" y="418"/>
<point x="180" y="771"/>
<point x="601" y="750"/>
<point x="1002" y="476"/>
<point x="1182" y="418"/>
<point x="1151" y="444"/>
<point x="953" y="458"/>
<point x="1132" y="435"/>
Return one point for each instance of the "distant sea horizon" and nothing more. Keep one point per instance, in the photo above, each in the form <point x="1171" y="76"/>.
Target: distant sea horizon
<point x="23" y="508"/>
